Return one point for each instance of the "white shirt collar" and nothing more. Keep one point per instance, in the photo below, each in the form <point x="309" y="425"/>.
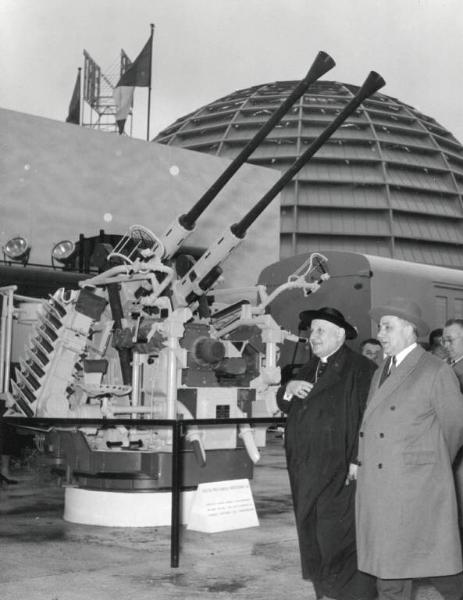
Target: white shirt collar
<point x="399" y="357"/>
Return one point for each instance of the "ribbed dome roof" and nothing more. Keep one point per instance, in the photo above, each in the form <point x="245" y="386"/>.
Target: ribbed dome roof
<point x="389" y="182"/>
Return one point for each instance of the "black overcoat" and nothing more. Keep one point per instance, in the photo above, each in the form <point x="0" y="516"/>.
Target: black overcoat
<point x="321" y="440"/>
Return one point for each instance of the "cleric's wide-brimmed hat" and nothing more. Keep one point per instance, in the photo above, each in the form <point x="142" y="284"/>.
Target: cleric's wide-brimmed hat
<point x="404" y="308"/>
<point x="327" y="314"/>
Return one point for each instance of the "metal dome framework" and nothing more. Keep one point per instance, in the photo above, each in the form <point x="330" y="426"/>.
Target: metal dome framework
<point x="389" y="182"/>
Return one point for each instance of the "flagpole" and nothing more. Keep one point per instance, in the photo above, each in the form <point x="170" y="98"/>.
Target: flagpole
<point x="149" y="87"/>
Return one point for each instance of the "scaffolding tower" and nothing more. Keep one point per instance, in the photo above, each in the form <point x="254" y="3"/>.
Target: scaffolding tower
<point x="98" y="107"/>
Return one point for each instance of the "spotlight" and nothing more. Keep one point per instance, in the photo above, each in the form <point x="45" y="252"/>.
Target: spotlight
<point x="63" y="252"/>
<point x="17" y="250"/>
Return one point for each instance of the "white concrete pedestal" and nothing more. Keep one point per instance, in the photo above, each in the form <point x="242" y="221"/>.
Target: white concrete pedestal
<point x="122" y="509"/>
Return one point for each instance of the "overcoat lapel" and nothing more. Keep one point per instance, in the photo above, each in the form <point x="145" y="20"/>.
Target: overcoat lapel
<point x="398" y="375"/>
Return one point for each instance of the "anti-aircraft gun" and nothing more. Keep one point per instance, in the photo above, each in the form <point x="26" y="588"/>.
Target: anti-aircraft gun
<point x="149" y="338"/>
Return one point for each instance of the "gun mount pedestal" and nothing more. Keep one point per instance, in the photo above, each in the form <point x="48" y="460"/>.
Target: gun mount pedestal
<point x="133" y="488"/>
<point x="135" y="499"/>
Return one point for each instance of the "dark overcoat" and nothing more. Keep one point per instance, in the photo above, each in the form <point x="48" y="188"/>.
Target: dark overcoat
<point x="407" y="522"/>
<point x="321" y="440"/>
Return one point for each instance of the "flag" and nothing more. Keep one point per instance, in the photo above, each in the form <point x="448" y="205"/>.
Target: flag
<point x="74" y="105"/>
<point x="138" y="74"/>
<point x="123" y="97"/>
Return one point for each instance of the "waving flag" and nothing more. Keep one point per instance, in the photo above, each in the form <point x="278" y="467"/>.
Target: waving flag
<point x="74" y="105"/>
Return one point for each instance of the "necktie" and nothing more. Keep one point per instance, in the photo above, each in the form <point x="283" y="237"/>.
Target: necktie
<point x="387" y="370"/>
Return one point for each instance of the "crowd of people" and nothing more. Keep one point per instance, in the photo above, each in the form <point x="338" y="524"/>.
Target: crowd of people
<point x="373" y="442"/>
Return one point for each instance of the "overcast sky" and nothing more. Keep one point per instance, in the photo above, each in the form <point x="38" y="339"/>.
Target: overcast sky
<point x="205" y="49"/>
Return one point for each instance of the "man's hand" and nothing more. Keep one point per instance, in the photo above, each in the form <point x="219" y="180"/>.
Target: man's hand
<point x="352" y="475"/>
<point x="299" y="388"/>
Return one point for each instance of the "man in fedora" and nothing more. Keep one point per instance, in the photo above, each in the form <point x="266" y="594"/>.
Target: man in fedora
<point x="325" y="405"/>
<point x="406" y="509"/>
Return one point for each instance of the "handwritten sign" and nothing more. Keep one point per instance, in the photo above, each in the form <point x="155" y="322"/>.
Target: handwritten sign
<point x="222" y="506"/>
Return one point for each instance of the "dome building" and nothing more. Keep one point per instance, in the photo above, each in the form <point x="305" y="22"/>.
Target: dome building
<point x="389" y="182"/>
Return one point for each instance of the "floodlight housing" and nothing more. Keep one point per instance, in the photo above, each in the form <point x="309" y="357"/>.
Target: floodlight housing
<point x="17" y="249"/>
<point x="63" y="252"/>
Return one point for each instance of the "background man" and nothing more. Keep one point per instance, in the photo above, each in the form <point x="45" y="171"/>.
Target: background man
<point x="372" y="349"/>
<point x="436" y="345"/>
<point x="324" y="406"/>
<point x="407" y="523"/>
<point x="452" y="339"/>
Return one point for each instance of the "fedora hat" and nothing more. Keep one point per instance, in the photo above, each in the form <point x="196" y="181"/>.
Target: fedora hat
<point x="327" y="314"/>
<point x="404" y="308"/>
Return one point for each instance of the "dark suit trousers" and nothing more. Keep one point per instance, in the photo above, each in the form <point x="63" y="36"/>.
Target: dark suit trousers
<point x="394" y="589"/>
<point x="450" y="587"/>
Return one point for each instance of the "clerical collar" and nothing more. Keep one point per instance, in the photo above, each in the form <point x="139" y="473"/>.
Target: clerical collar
<point x="324" y="359"/>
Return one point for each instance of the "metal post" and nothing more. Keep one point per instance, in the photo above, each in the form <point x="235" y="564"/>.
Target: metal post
<point x="6" y="330"/>
<point x="3" y="312"/>
<point x="177" y="430"/>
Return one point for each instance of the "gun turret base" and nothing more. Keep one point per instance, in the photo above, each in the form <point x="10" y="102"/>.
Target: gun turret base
<point x="133" y="500"/>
